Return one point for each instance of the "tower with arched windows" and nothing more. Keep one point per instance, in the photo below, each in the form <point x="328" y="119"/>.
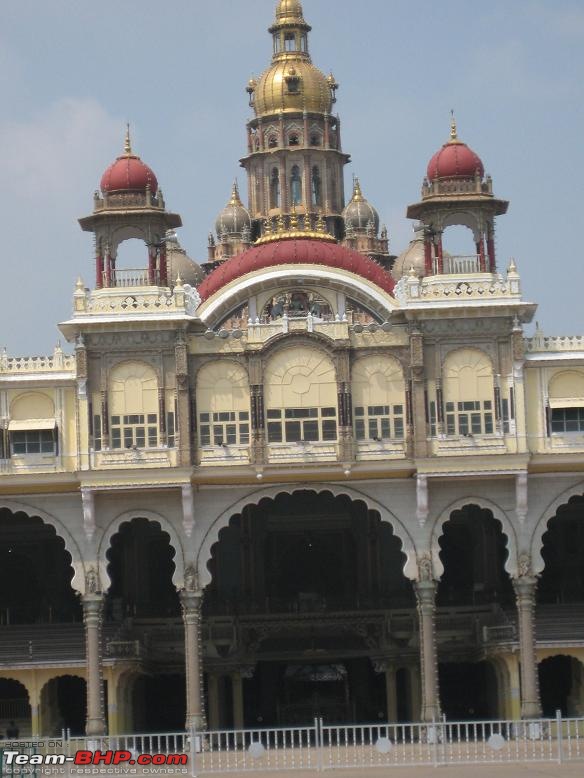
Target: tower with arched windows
<point x="294" y="155"/>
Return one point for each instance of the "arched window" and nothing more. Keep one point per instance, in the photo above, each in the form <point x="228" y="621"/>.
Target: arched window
<point x="315" y="139"/>
<point x="273" y="141"/>
<point x="223" y="404"/>
<point x="32" y="425"/>
<point x="295" y="186"/>
<point x="316" y="186"/>
<point x="133" y="406"/>
<point x="379" y="399"/>
<point x="300" y="397"/>
<point x="566" y="402"/>
<point x="468" y="393"/>
<point x="294" y="139"/>
<point x="275" y="188"/>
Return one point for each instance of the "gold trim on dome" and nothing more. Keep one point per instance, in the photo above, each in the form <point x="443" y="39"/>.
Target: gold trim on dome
<point x="294" y="230"/>
<point x="272" y="94"/>
<point x="453" y="131"/>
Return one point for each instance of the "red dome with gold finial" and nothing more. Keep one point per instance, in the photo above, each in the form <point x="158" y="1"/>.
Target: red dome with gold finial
<point x="455" y="159"/>
<point x="128" y="173"/>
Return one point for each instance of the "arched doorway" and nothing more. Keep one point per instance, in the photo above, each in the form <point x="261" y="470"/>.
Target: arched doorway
<point x="144" y="606"/>
<point x="35" y="573"/>
<point x="63" y="705"/>
<point x="15" y="712"/>
<point x="474" y="589"/>
<point x="311" y="579"/>
<point x="562" y="579"/>
<point x="561" y="685"/>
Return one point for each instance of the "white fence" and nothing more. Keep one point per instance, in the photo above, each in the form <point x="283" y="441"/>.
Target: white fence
<point x="321" y="747"/>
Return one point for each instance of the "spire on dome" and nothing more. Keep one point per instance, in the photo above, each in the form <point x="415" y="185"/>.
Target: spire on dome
<point x="235" y="198"/>
<point x="357" y="193"/>
<point x="128" y="142"/>
<point x="453" y="129"/>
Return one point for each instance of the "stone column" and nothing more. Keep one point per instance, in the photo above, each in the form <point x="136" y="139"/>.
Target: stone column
<point x="426" y="597"/>
<point x="391" y="693"/>
<point x="213" y="692"/>
<point x="191" y="601"/>
<point x="92" y="613"/>
<point x="525" y="587"/>
<point x="237" y="682"/>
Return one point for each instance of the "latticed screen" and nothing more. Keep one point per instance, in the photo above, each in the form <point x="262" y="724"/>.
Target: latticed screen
<point x="224" y="428"/>
<point x="469" y="418"/>
<point x="379" y="422"/>
<point x="135" y="430"/>
<point x="294" y="425"/>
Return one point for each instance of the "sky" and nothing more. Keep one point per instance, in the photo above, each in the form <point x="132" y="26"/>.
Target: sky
<point x="73" y="72"/>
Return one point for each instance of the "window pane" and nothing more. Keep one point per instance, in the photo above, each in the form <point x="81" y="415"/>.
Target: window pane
<point x="373" y="428"/>
<point x="218" y="434"/>
<point x="329" y="430"/>
<point x="116" y="438"/>
<point x="450" y="428"/>
<point x="204" y="417"/>
<point x="399" y="428"/>
<point x="243" y="416"/>
<point x="385" y="429"/>
<point x="310" y="431"/>
<point x="244" y="433"/>
<point x="398" y="410"/>
<point x="489" y="423"/>
<point x="274" y="432"/>
<point x="360" y="429"/>
<point x="128" y="437"/>
<point x="359" y="410"/>
<point x="293" y="432"/>
<point x="328" y="412"/>
<point x="463" y="424"/>
<point x="274" y="414"/>
<point x="152" y="418"/>
<point x="205" y="435"/>
<point x="140" y="437"/>
<point x="115" y="420"/>
<point x="231" y="435"/>
<point x="475" y="422"/>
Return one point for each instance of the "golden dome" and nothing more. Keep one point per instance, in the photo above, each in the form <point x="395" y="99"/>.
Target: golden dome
<point x="292" y="86"/>
<point x="288" y="9"/>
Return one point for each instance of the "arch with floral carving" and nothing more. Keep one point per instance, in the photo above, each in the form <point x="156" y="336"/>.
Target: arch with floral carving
<point x="547" y="515"/>
<point x="165" y="525"/>
<point x="410" y="569"/>
<point x="511" y="563"/>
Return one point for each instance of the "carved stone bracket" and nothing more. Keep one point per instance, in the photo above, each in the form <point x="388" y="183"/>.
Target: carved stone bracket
<point x="88" y="504"/>
<point x="422" y="499"/>
<point x="521" y="503"/>
<point x="188" y="506"/>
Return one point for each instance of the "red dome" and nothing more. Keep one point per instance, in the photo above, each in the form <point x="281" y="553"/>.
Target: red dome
<point x="455" y="160"/>
<point x="298" y="251"/>
<point x="128" y="174"/>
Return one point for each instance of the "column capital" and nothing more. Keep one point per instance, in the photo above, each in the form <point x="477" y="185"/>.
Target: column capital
<point x="92" y="605"/>
<point x="426" y="592"/>
<point x="525" y="587"/>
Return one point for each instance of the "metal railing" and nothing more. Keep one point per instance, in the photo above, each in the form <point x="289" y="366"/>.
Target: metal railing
<point x="321" y="747"/>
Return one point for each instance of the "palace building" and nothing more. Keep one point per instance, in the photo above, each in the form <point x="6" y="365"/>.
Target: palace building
<point x="305" y="476"/>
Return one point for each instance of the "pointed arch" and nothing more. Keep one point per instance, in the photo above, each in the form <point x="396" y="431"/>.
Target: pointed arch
<point x="408" y="548"/>
<point x="71" y="546"/>
<point x="114" y="527"/>
<point x="536" y="548"/>
<point x="511" y="563"/>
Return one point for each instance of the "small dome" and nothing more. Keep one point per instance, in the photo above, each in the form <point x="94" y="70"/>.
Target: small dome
<point x="234" y="218"/>
<point x="289" y="9"/>
<point x="359" y="213"/>
<point x="179" y="264"/>
<point x="296" y="86"/>
<point x="412" y="257"/>
<point x="128" y="173"/>
<point x="455" y="160"/>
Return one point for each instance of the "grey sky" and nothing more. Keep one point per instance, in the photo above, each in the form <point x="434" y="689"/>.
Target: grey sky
<point x="72" y="72"/>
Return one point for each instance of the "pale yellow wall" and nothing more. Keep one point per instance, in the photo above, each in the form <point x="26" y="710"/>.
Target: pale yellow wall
<point x="467" y="376"/>
<point x="133" y="388"/>
<point x="32" y="405"/>
<point x="377" y="380"/>
<point x="222" y="386"/>
<point x="300" y="377"/>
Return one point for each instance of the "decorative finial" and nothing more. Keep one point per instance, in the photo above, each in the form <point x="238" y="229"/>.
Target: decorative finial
<point x="281" y="224"/>
<point x="453" y="131"/>
<point x="357" y="193"/>
<point x="235" y="198"/>
<point x="512" y="266"/>
<point x="293" y="218"/>
<point x="268" y="227"/>
<point x="127" y="142"/>
<point x="321" y="224"/>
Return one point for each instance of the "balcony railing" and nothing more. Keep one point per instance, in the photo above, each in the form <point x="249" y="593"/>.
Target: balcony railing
<point x="460" y="264"/>
<point x="130" y="277"/>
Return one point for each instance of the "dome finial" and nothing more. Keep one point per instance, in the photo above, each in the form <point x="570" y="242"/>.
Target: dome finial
<point x="235" y="198"/>
<point x="453" y="130"/>
<point x="357" y="193"/>
<point x="127" y="142"/>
